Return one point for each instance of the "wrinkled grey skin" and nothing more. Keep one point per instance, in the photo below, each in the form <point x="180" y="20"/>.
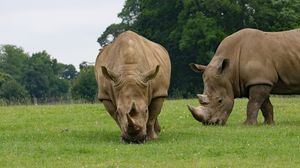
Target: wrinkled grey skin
<point x="249" y="63"/>
<point x="217" y="99"/>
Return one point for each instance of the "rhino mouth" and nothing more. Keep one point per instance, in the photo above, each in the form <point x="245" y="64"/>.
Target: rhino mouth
<point x="214" y="122"/>
<point x="140" y="139"/>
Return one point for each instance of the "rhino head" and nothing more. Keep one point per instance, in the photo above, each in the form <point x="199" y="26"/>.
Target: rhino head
<point x="131" y="92"/>
<point x="217" y="100"/>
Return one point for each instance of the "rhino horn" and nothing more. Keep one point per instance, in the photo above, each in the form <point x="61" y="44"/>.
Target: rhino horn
<point x="203" y="99"/>
<point x="130" y="120"/>
<point x="197" y="113"/>
<point x="133" y="107"/>
<point x="132" y="110"/>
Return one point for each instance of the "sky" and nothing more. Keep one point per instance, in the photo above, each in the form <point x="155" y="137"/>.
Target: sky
<point x="66" y="29"/>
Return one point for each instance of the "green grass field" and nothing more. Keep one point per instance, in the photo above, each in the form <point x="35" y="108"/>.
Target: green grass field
<point x="84" y="135"/>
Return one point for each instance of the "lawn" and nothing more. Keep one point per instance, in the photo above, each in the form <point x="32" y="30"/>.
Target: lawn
<point x="84" y="135"/>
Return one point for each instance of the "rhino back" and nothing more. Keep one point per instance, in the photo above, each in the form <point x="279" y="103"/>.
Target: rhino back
<point x="271" y="58"/>
<point x="130" y="50"/>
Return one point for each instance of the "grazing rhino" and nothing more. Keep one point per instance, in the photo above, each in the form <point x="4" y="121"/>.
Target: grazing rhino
<point x="133" y="76"/>
<point x="249" y="63"/>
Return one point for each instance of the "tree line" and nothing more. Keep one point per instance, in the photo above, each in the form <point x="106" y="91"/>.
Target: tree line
<point x="191" y="30"/>
<point x="38" y="78"/>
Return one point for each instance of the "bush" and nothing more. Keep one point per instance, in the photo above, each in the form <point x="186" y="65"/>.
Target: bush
<point x="12" y="91"/>
<point x="85" y="86"/>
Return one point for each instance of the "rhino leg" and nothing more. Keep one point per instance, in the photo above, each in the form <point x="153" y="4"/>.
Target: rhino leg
<point x="267" y="111"/>
<point x="111" y="108"/>
<point x="152" y="124"/>
<point x="258" y="94"/>
<point x="157" y="126"/>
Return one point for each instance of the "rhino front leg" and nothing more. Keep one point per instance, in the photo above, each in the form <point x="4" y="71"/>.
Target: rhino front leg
<point x="258" y="94"/>
<point x="152" y="125"/>
<point x="157" y="126"/>
<point x="111" y="108"/>
<point x="267" y="111"/>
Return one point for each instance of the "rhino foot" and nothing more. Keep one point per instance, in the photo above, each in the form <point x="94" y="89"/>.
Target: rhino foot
<point x="269" y="122"/>
<point x="151" y="136"/>
<point x="250" y="122"/>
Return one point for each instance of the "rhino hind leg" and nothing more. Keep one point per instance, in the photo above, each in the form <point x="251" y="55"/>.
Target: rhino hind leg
<point x="258" y="94"/>
<point x="153" y="127"/>
<point x="267" y="111"/>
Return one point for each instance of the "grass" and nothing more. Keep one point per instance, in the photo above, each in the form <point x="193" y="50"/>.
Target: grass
<point x="84" y="135"/>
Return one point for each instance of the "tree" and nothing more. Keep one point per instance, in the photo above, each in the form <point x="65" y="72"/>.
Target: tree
<point x="12" y="59"/>
<point x="42" y="77"/>
<point x="69" y="72"/>
<point x="4" y="78"/>
<point x="85" y="86"/>
<point x="111" y="32"/>
<point x="191" y="30"/>
<point x="38" y="75"/>
<point x="11" y="91"/>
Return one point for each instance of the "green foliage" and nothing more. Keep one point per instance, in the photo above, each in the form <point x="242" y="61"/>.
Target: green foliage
<point x="112" y="31"/>
<point x="12" y="92"/>
<point x="38" y="75"/>
<point x="12" y="60"/>
<point x="41" y="77"/>
<point x="85" y="86"/>
<point x="4" y="78"/>
<point x="274" y="15"/>
<point x="69" y="72"/>
<point x="191" y="30"/>
<point x="85" y="135"/>
<point x="59" y="87"/>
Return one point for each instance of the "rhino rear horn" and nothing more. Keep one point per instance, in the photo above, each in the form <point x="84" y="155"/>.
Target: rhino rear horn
<point x="197" y="114"/>
<point x="203" y="99"/>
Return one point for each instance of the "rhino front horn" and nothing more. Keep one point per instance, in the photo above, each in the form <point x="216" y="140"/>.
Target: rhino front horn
<point x="198" y="114"/>
<point x="130" y="120"/>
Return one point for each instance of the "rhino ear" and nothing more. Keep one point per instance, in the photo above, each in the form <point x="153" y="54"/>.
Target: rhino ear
<point x="223" y="66"/>
<point x="110" y="75"/>
<point x="197" y="67"/>
<point x="150" y="74"/>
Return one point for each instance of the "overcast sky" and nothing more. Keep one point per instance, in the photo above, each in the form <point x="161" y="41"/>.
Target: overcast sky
<point x="66" y="29"/>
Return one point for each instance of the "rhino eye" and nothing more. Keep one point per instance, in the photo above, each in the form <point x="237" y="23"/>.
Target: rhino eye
<point x="220" y="100"/>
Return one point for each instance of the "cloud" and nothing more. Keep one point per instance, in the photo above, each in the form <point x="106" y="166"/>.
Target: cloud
<point x="41" y="19"/>
<point x="67" y="30"/>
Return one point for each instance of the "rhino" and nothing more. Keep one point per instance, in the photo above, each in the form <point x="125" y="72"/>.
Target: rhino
<point x="133" y="77"/>
<point x="249" y="63"/>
